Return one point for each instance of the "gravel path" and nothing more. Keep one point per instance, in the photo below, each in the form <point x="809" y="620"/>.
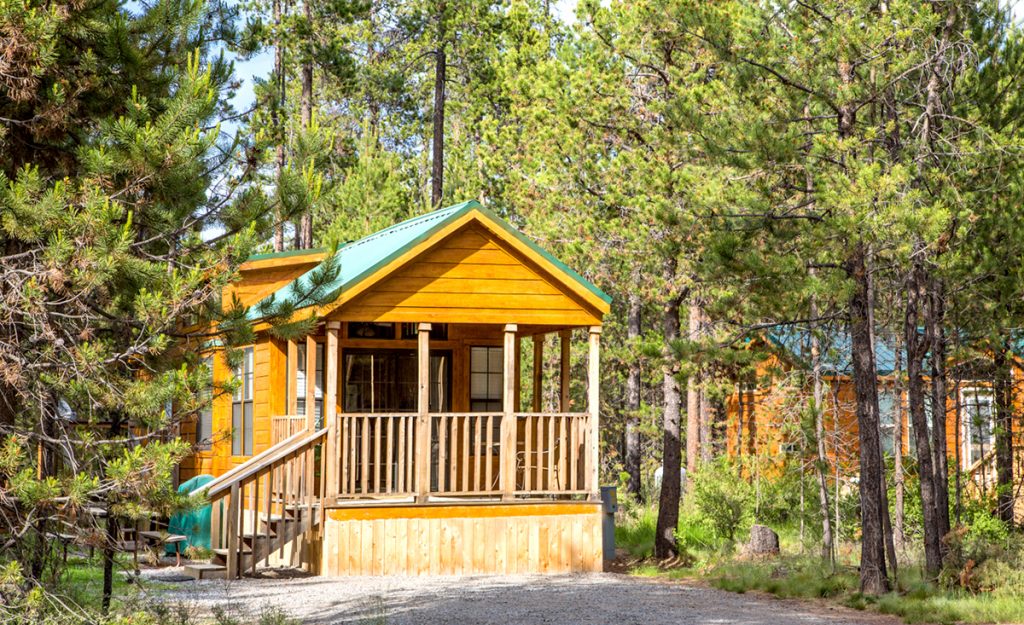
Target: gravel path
<point x="594" y="599"/>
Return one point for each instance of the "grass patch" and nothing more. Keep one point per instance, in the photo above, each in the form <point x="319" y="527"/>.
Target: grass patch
<point x="82" y="582"/>
<point x="787" y="577"/>
<point x="636" y="534"/>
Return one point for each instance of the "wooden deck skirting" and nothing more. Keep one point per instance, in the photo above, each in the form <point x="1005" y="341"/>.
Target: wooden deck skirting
<point x="462" y="539"/>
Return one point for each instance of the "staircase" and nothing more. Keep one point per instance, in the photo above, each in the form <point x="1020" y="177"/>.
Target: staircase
<point x="266" y="510"/>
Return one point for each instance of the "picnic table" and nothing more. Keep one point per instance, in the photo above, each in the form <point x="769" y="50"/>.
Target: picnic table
<point x="158" y="538"/>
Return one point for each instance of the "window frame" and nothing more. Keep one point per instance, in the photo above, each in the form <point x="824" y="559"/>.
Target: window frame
<point x="204" y="416"/>
<point x="968" y="426"/>
<point x="243" y="422"/>
<point x="490" y="403"/>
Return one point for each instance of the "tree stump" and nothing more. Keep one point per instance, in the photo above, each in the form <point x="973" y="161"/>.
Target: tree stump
<point x="763" y="542"/>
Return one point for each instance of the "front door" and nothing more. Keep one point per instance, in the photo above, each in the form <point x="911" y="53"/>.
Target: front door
<point x="385" y="380"/>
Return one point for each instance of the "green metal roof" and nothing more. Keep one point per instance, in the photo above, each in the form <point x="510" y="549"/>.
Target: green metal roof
<point x="360" y="259"/>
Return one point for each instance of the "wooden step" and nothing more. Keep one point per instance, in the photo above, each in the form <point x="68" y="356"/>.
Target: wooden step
<point x="206" y="571"/>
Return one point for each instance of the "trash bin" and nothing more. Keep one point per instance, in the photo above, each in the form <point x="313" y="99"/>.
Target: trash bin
<point x="609" y="506"/>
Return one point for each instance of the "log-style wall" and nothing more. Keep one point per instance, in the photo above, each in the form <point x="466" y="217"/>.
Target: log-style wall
<point x="563" y="537"/>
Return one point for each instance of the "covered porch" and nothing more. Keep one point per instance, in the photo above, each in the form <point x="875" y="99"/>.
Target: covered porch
<point x="439" y="417"/>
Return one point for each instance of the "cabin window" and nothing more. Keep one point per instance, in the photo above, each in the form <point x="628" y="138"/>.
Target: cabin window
<point x="241" y="407"/>
<point x="887" y="421"/>
<point x="485" y="379"/>
<point x="318" y="381"/>
<point x="204" y="419"/>
<point x="978" y="418"/>
<point x="387" y="381"/>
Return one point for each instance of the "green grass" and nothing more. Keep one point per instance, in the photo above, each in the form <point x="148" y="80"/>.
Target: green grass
<point x="784" y="577"/>
<point x="82" y="582"/>
<point x="636" y="534"/>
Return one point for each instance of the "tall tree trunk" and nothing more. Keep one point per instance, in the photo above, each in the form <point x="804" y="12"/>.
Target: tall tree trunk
<point x="693" y="442"/>
<point x="917" y="346"/>
<point x="440" y="67"/>
<point x="305" y="238"/>
<point x="277" y="110"/>
<point x="873" y="577"/>
<point x="1004" y="434"/>
<point x="899" y="534"/>
<point x="633" y="397"/>
<point x="821" y="462"/>
<point x="668" y="504"/>
<point x="940" y="448"/>
<point x="740" y="416"/>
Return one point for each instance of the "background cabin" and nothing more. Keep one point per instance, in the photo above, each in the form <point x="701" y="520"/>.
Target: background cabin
<point x="393" y="439"/>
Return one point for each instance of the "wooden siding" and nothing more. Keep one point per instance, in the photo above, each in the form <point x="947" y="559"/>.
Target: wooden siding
<point x="469" y="277"/>
<point x="499" y="539"/>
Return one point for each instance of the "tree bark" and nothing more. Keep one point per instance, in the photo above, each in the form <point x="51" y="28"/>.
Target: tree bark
<point x="873" y="577"/>
<point x="917" y="346"/>
<point x="899" y="534"/>
<point x="440" y="68"/>
<point x="821" y="463"/>
<point x="940" y="449"/>
<point x="1003" y="434"/>
<point x="668" y="503"/>
<point x="277" y="110"/>
<point x="693" y="442"/>
<point x="633" y="398"/>
<point x="305" y="236"/>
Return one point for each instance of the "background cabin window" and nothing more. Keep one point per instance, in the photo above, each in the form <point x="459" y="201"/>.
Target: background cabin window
<point x="978" y="420"/>
<point x="485" y="379"/>
<point x="887" y="421"/>
<point x="386" y="381"/>
<point x="241" y="407"/>
<point x="318" y="381"/>
<point x="204" y="419"/>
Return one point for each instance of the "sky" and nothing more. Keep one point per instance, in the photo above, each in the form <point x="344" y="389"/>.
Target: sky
<point x="260" y="65"/>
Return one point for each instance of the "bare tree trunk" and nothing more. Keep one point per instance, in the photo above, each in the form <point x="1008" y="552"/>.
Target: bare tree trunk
<point x="940" y="448"/>
<point x="899" y="534"/>
<point x="821" y="463"/>
<point x="668" y="504"/>
<point x="1003" y="435"/>
<point x="917" y="346"/>
<point x="440" y="67"/>
<point x="633" y="397"/>
<point x="305" y="236"/>
<point x="873" y="577"/>
<point x="693" y="442"/>
<point x="276" y="112"/>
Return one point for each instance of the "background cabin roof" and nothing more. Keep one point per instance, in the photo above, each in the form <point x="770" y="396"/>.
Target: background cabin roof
<point x="359" y="260"/>
<point x="836" y="350"/>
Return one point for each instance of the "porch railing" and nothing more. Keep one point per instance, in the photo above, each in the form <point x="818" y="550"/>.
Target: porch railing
<point x="376" y="455"/>
<point x="285" y="426"/>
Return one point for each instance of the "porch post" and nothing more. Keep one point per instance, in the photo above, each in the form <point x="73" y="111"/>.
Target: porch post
<point x="422" y="461"/>
<point x="563" y="377"/>
<point x="310" y="383"/>
<point x="538" y="370"/>
<point x="593" y="407"/>
<point x="293" y="363"/>
<point x="508" y="419"/>
<point x="331" y="408"/>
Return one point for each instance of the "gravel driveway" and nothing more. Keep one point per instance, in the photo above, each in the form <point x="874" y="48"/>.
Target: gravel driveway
<point x="594" y="599"/>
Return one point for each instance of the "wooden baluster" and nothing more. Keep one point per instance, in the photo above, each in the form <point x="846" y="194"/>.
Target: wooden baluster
<point x="453" y="454"/>
<point x="528" y="453"/>
<point x="390" y="442"/>
<point x="254" y="498"/>
<point x="442" y="452"/>
<point x="353" y="437"/>
<point x="478" y="444"/>
<point x="268" y="509"/>
<point x="377" y="422"/>
<point x="464" y="458"/>
<point x="233" y="519"/>
<point x="489" y="453"/>
<point x="365" y="440"/>
<point x="410" y="456"/>
<point x="550" y="445"/>
<point x="400" y="457"/>
<point x="574" y="448"/>
<point x="563" y="447"/>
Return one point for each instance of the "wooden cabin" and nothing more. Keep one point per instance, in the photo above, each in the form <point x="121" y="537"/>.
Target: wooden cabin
<point x="393" y="439"/>
<point x="762" y="419"/>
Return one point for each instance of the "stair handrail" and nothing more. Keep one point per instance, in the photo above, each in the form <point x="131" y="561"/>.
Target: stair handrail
<point x="259" y="462"/>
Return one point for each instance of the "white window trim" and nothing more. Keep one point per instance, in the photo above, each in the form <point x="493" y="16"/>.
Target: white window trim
<point x="974" y="394"/>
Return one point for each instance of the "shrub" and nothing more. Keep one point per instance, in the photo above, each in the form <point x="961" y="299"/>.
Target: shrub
<point x="723" y="498"/>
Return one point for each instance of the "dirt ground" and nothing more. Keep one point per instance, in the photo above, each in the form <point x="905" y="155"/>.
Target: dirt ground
<point x="593" y="599"/>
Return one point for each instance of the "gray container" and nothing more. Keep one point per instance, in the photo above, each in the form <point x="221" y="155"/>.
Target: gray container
<point x="609" y="506"/>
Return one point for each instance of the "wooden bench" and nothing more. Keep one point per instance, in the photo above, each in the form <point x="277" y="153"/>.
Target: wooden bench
<point x="159" y="538"/>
